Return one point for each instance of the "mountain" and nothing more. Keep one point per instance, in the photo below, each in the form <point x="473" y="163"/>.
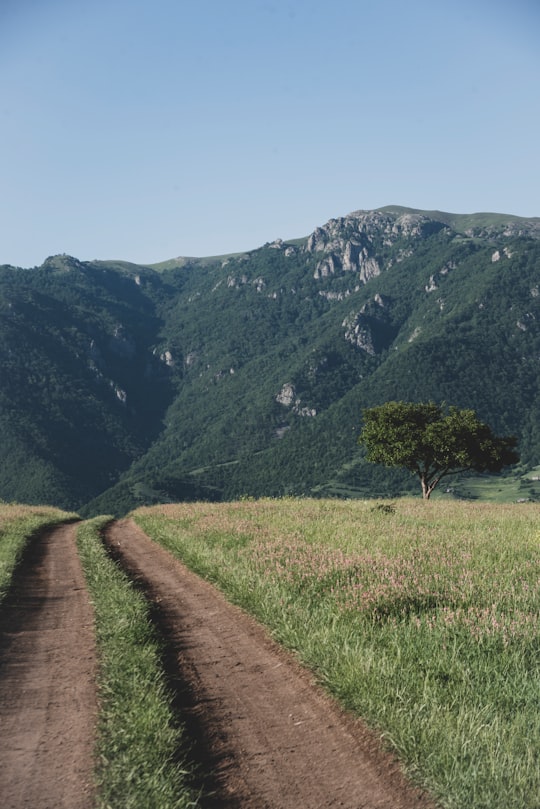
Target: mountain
<point x="247" y="374"/>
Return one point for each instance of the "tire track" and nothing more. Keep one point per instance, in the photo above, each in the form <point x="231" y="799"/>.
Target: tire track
<point x="273" y="739"/>
<point x="48" y="704"/>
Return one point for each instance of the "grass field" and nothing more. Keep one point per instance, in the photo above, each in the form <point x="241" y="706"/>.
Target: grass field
<point x="420" y="617"/>
<point x="17" y="524"/>
<point x="514" y="488"/>
<point x="139" y="739"/>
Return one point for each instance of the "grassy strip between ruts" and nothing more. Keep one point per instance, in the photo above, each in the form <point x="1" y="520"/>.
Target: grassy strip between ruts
<point x="17" y="525"/>
<point x="139" y="738"/>
<point x="420" y="617"/>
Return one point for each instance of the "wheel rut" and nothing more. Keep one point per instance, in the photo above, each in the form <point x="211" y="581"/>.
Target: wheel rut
<point x="271" y="738"/>
<point x="48" y="705"/>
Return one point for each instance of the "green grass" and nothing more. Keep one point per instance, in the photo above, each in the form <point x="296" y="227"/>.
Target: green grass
<point x="510" y="488"/>
<point x="139" y="739"/>
<point x="181" y="261"/>
<point x="17" y="525"/>
<point x="420" y="617"/>
<point x="464" y="222"/>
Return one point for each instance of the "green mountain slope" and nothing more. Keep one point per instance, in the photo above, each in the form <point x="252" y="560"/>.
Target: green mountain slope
<point x="247" y="374"/>
<point x="81" y="395"/>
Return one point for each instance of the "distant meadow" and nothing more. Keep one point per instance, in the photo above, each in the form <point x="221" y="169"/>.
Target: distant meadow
<point x="17" y="525"/>
<point x="420" y="617"/>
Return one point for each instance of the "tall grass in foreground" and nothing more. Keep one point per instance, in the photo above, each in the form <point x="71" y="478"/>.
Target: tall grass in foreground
<point x="138" y="738"/>
<point x="420" y="617"/>
<point x="17" y="524"/>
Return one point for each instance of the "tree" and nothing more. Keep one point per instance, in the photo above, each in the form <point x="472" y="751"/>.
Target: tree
<point x="432" y="442"/>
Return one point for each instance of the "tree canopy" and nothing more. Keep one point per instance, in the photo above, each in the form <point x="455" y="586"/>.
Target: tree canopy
<point x="432" y="441"/>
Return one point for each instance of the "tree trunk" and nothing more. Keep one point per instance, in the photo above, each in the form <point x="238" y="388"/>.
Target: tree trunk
<point x="427" y="488"/>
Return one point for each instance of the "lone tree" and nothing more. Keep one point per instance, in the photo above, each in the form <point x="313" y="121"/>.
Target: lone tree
<point x="432" y="442"/>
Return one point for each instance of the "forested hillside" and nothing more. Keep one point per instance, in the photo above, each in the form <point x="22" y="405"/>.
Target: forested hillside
<point x="247" y="374"/>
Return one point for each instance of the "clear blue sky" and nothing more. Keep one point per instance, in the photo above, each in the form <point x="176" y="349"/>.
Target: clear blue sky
<point x="147" y="129"/>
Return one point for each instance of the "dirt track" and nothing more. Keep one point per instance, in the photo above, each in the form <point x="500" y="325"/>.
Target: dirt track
<point x="272" y="738"/>
<point x="265" y="736"/>
<point x="47" y="680"/>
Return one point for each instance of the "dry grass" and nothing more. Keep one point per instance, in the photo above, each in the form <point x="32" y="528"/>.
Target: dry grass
<point x="421" y="617"/>
<point x="17" y="524"/>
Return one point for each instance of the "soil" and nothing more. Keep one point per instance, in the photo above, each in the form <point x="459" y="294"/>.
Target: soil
<point x="269" y="736"/>
<point x="265" y="736"/>
<point x="48" y="703"/>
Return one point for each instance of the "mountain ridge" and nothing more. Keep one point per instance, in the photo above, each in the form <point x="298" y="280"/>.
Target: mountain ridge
<point x="246" y="374"/>
<point x="480" y="219"/>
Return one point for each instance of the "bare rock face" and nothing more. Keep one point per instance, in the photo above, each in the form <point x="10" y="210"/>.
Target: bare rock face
<point x="328" y="266"/>
<point x="120" y="393"/>
<point x="353" y="244"/>
<point x="349" y="260"/>
<point x="432" y="285"/>
<point x="287" y="395"/>
<point x="348" y="257"/>
<point x="359" y="334"/>
<point x="369" y="268"/>
<point x="288" y="398"/>
<point x="361" y="327"/>
<point x="317" y="241"/>
<point x="362" y="229"/>
<point x="167" y="358"/>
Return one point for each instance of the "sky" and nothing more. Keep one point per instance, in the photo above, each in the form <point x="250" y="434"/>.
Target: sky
<point x="148" y="129"/>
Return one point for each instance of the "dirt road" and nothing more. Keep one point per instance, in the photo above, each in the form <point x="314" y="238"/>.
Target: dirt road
<point x="265" y="736"/>
<point x="47" y="680"/>
<point x="272" y="739"/>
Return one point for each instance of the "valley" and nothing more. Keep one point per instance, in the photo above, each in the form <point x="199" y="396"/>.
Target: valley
<point x="247" y="375"/>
